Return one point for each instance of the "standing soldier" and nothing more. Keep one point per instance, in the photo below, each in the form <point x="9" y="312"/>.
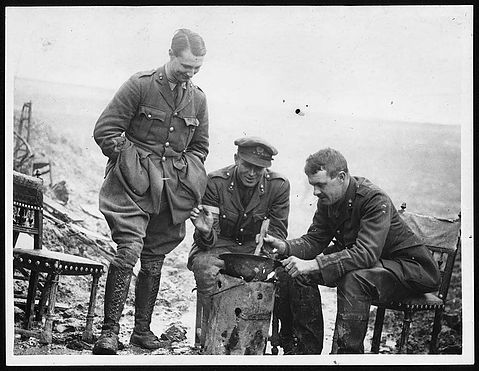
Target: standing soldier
<point x="155" y="135"/>
<point x="237" y="200"/>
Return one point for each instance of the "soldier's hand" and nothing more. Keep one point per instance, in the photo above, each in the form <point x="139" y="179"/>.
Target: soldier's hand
<point x="296" y="266"/>
<point x="120" y="143"/>
<point x="202" y="219"/>
<point x="273" y="245"/>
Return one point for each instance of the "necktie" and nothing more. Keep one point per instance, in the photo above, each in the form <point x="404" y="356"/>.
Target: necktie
<point x="178" y="94"/>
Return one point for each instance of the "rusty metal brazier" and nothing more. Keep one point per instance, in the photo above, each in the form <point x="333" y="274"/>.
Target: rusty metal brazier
<point x="248" y="266"/>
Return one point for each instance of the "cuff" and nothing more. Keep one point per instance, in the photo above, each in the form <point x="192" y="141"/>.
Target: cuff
<point x="204" y="242"/>
<point x="331" y="266"/>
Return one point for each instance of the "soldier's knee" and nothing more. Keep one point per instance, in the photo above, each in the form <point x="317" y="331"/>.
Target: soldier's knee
<point x="349" y="283"/>
<point x="359" y="276"/>
<point x="126" y="257"/>
<point x="205" y="262"/>
<point x="205" y="271"/>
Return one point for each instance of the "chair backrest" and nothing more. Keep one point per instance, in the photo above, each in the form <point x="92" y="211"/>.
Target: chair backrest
<point x="27" y="207"/>
<point x="441" y="237"/>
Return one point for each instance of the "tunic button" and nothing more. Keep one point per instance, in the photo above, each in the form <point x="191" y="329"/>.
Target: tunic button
<point x="172" y="128"/>
<point x="163" y="159"/>
<point x="245" y="215"/>
<point x="224" y="216"/>
<point x="239" y="243"/>
<point x="167" y="144"/>
<point x="241" y="229"/>
<point x="149" y="115"/>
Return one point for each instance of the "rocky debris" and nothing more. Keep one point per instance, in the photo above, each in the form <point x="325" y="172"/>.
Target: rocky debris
<point x="453" y="320"/>
<point x="64" y="328"/>
<point x="451" y="349"/>
<point x="61" y="192"/>
<point x="175" y="332"/>
<point x="18" y="313"/>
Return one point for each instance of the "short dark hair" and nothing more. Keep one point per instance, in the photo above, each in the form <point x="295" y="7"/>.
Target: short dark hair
<point x="185" y="39"/>
<point x="326" y="159"/>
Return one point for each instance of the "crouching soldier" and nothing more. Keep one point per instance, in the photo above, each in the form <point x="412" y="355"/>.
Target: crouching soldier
<point x="237" y="200"/>
<point x="375" y="256"/>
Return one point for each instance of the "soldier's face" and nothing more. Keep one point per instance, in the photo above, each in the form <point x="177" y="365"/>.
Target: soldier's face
<point x="249" y="174"/>
<point x="328" y="190"/>
<point x="184" y="66"/>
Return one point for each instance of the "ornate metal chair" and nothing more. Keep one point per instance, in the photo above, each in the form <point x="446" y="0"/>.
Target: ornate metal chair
<point x="442" y="237"/>
<point x="32" y="263"/>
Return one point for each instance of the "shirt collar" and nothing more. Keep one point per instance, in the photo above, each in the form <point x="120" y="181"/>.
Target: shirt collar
<point x="348" y="197"/>
<point x="169" y="78"/>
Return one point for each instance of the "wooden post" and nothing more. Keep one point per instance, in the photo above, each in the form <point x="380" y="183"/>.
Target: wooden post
<point x="240" y="319"/>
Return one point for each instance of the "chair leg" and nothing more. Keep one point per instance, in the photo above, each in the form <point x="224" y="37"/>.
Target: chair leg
<point x="198" y="321"/>
<point x="436" y="329"/>
<point x="378" y="328"/>
<point x="88" y="332"/>
<point x="46" y="335"/>
<point x="405" y="330"/>
<point x="30" y="307"/>
<point x="44" y="298"/>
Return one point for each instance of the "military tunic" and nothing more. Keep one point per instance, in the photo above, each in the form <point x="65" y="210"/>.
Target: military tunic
<point x="237" y="225"/>
<point x="366" y="228"/>
<point x="155" y="173"/>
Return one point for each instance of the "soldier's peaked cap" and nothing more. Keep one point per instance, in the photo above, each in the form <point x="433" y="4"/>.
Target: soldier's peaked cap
<point x="256" y="151"/>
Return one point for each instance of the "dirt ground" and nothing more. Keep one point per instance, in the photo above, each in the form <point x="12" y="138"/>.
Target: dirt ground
<point x="174" y="315"/>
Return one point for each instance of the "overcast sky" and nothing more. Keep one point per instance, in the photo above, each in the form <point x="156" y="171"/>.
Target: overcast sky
<point x="400" y="63"/>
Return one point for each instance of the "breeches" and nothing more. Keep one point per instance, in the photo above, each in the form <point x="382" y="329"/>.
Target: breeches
<point x="357" y="289"/>
<point x="206" y="266"/>
<point x="137" y="233"/>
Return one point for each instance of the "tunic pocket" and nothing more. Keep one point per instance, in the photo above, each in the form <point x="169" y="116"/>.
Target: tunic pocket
<point x="191" y="124"/>
<point x="141" y="126"/>
<point x="135" y="176"/>
<point x="228" y="219"/>
<point x="191" y="121"/>
<point x="151" y="113"/>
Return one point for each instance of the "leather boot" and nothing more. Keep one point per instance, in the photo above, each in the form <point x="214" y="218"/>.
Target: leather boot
<point x="308" y="328"/>
<point x="146" y="291"/>
<point x="116" y="292"/>
<point x="351" y="327"/>
<point x="350" y="335"/>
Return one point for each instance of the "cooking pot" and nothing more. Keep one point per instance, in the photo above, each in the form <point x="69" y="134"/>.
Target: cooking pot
<point x="248" y="266"/>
